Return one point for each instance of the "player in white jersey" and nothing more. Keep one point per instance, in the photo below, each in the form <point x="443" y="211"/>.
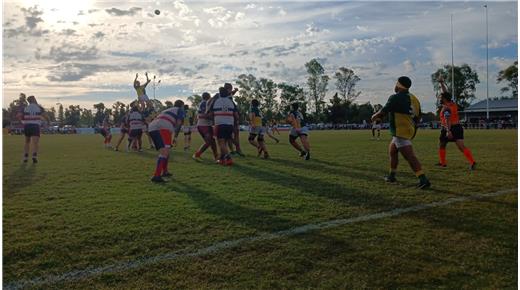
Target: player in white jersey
<point x="205" y="128"/>
<point x="136" y="124"/>
<point x="105" y="132"/>
<point x="31" y="117"/>
<point x="224" y="113"/>
<point x="161" y="129"/>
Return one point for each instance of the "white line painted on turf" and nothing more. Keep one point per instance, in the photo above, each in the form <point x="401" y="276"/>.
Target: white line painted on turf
<point x="128" y="265"/>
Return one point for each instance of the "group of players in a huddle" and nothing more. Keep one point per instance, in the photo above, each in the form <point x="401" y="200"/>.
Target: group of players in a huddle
<point x="217" y="121"/>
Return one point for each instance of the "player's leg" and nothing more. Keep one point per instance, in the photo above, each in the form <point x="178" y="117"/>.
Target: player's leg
<point x="378" y="133"/>
<point x="26" y="147"/>
<point x="458" y="134"/>
<point x="443" y="142"/>
<point x="292" y="141"/>
<point x="262" y="146"/>
<point x="203" y="131"/>
<point x="306" y="146"/>
<point x="35" y="147"/>
<point x="120" y="141"/>
<point x="393" y="154"/>
<point x="236" y="140"/>
<point x="373" y="133"/>
<point x="140" y="140"/>
<point x="251" y="139"/>
<point x="409" y="155"/>
<point x="269" y="133"/>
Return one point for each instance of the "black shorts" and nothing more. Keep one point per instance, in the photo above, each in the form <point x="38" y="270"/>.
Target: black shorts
<point x="104" y="132"/>
<point x="224" y="131"/>
<point x="124" y="131"/>
<point x="31" y="130"/>
<point x="456" y="130"/>
<point x="136" y="133"/>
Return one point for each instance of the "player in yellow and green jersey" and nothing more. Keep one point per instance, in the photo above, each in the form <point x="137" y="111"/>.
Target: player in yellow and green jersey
<point x="257" y="129"/>
<point x="404" y="111"/>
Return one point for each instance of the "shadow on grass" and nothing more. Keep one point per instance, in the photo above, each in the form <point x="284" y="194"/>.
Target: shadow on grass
<point x="20" y="178"/>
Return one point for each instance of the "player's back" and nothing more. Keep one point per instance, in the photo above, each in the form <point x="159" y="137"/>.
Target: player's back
<point x="32" y="114"/>
<point x="223" y="109"/>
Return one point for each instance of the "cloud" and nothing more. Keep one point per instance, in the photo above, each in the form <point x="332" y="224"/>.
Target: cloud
<point x="118" y="12"/>
<point x="69" y="52"/>
<point x="69" y="72"/>
<point x="32" y="19"/>
<point x="408" y="66"/>
<point x="99" y="35"/>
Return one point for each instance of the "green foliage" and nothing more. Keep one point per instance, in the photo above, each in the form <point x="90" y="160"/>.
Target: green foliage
<point x="73" y="115"/>
<point x="346" y="80"/>
<point x="465" y="79"/>
<point x="317" y="83"/>
<point x="510" y="76"/>
<point x="195" y="101"/>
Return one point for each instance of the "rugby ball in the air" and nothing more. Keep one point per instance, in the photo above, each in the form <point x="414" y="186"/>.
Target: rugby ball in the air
<point x="157" y="12"/>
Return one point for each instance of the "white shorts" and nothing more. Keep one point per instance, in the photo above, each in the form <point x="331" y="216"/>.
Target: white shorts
<point x="186" y="129"/>
<point x="259" y="130"/>
<point x="377" y="127"/>
<point x="400" y="142"/>
<point x="143" y="98"/>
<point x="297" y="132"/>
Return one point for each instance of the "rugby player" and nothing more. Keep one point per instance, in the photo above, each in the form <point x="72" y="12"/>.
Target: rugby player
<point x="404" y="111"/>
<point x="299" y="129"/>
<point x="376" y="125"/>
<point x="270" y="131"/>
<point x="31" y="117"/>
<point x="124" y="131"/>
<point x="452" y="130"/>
<point x="236" y="127"/>
<point x="105" y="132"/>
<point x="136" y="124"/>
<point x="205" y="128"/>
<point x="257" y="129"/>
<point x="187" y="124"/>
<point x="142" y="98"/>
<point x="224" y="113"/>
<point x="161" y="129"/>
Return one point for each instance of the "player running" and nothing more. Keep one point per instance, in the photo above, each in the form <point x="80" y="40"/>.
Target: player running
<point x="136" y="124"/>
<point x="224" y="113"/>
<point x="31" y="117"/>
<point x="404" y="111"/>
<point x="376" y="125"/>
<point x="105" y="132"/>
<point x="299" y="129"/>
<point x="271" y="127"/>
<point x="257" y="129"/>
<point x="189" y="119"/>
<point x="205" y="128"/>
<point x="161" y="129"/>
<point x="142" y="98"/>
<point x="452" y="130"/>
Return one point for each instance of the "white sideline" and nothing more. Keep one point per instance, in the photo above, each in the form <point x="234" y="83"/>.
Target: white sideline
<point x="140" y="262"/>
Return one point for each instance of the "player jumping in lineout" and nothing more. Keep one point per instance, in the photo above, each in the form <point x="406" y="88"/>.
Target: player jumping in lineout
<point x="404" y="112"/>
<point x="142" y="98"/>
<point x="451" y="130"/>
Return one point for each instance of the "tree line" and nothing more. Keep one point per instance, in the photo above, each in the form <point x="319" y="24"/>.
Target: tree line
<point x="275" y="98"/>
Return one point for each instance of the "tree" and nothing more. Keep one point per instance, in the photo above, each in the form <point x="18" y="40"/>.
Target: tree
<point x="195" y="101"/>
<point x="337" y="110"/>
<point x="346" y="81"/>
<point x="291" y="94"/>
<point x="61" y="115"/>
<point x="317" y="82"/>
<point x="86" y="118"/>
<point x="510" y="76"/>
<point x="51" y="114"/>
<point x="266" y="92"/>
<point x="72" y="115"/>
<point x="119" y="112"/>
<point x="168" y="104"/>
<point x="465" y="80"/>
<point x="248" y="90"/>
<point x="99" y="116"/>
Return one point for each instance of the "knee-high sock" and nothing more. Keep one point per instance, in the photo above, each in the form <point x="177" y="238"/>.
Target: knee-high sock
<point x="442" y="155"/>
<point x="165" y="164"/>
<point x="160" y="165"/>
<point x="468" y="155"/>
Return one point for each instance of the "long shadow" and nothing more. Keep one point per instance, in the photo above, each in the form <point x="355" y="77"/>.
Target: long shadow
<point x="20" y="178"/>
<point x="339" y="165"/>
<point x="333" y="191"/>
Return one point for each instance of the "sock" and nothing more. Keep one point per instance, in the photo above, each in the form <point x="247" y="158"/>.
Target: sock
<point x="442" y="156"/>
<point x="159" y="166"/>
<point x="165" y="164"/>
<point x="468" y="155"/>
<point x="238" y="148"/>
<point x="26" y="155"/>
<point x="392" y="172"/>
<point x="35" y="154"/>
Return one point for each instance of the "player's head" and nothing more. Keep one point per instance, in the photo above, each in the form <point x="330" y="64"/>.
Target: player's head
<point x="445" y="97"/>
<point x="255" y="103"/>
<point x="403" y="84"/>
<point x="134" y="107"/>
<point x="178" y="104"/>
<point x="31" y="100"/>
<point x="228" y="87"/>
<point x="206" y="96"/>
<point x="223" y="92"/>
<point x="137" y="83"/>
<point x="22" y="95"/>
<point x="295" y="106"/>
<point x="186" y="107"/>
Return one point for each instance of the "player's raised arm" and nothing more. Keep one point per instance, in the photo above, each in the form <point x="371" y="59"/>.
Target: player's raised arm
<point x="136" y="82"/>
<point x="444" y="89"/>
<point x="147" y="79"/>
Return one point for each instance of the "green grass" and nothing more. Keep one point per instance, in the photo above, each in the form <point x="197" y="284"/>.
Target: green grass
<point x="83" y="206"/>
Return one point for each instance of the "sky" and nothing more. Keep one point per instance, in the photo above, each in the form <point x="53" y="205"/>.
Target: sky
<point x="85" y="52"/>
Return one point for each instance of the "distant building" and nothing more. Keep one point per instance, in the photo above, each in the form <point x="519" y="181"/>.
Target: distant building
<point x="498" y="110"/>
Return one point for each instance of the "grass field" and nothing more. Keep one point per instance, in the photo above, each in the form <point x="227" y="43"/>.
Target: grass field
<point x="94" y="211"/>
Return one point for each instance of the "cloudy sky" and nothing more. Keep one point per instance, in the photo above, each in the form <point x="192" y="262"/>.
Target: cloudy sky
<point x="86" y="51"/>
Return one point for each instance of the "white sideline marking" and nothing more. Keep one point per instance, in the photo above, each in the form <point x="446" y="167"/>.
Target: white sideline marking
<point x="140" y="262"/>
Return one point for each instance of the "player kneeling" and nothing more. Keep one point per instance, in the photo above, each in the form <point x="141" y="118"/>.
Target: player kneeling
<point x="161" y="129"/>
